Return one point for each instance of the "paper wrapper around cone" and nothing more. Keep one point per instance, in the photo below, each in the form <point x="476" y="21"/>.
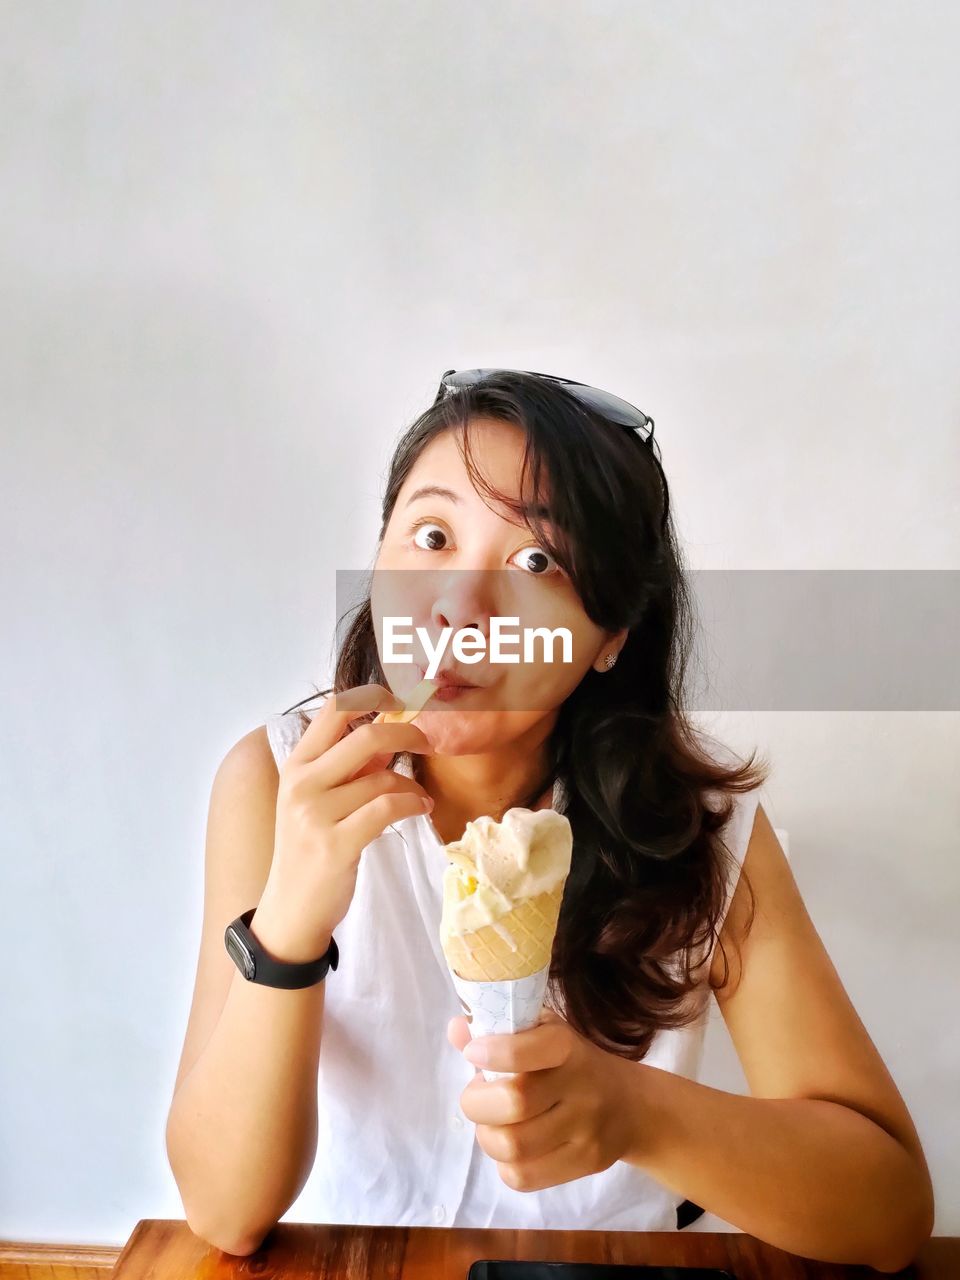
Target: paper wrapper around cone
<point x="504" y="988"/>
<point x="500" y="1007"/>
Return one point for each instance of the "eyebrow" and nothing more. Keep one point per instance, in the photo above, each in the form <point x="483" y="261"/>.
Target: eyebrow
<point x="438" y="491"/>
<point x="432" y="491"/>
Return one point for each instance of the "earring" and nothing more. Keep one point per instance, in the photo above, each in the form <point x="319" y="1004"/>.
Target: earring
<point x="610" y="660"/>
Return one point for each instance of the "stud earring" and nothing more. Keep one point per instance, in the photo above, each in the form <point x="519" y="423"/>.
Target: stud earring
<point x="610" y="660"/>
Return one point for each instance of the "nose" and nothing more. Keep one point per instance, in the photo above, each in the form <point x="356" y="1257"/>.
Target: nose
<point x="461" y="602"/>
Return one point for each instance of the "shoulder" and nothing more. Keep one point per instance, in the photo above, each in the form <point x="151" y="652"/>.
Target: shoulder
<point x="766" y="903"/>
<point x="250" y="760"/>
<point x="736" y="831"/>
<point x="284" y="731"/>
<point x="243" y="796"/>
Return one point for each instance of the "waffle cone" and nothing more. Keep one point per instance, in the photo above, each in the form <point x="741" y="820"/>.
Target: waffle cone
<point x="485" y="956"/>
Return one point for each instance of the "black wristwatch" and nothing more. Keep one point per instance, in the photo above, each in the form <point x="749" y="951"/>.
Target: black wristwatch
<point x="256" y="966"/>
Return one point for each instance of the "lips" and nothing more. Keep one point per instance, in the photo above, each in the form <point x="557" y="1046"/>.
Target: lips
<point x="448" y="678"/>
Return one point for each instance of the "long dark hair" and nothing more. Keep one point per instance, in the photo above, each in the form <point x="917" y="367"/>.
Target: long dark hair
<point x="647" y="802"/>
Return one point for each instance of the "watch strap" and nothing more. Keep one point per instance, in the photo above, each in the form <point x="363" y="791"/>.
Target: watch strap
<point x="258" y="966"/>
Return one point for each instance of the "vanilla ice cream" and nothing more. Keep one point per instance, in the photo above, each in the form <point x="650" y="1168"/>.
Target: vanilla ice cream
<point x="496" y="865"/>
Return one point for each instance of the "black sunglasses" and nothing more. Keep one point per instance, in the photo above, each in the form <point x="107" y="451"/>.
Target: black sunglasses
<point x="608" y="406"/>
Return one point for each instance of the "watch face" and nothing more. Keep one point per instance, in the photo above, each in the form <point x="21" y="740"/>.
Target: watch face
<point x="241" y="954"/>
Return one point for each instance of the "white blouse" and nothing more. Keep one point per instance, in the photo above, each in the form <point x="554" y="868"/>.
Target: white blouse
<point x="394" y="1148"/>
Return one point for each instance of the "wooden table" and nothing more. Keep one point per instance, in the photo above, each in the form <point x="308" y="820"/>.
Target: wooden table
<point x="161" y="1249"/>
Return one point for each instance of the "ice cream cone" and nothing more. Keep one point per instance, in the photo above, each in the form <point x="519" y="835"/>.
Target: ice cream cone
<point x="502" y="893"/>
<point x="486" y="954"/>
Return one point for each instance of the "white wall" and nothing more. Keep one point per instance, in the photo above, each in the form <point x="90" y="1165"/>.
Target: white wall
<point x="240" y="243"/>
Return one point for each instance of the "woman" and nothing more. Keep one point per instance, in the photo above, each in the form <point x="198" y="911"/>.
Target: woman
<point x="678" y="887"/>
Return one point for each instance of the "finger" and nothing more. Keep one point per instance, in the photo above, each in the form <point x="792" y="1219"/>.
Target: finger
<point x="565" y="1163"/>
<point x="342" y="802"/>
<point x="372" y="819"/>
<point x="374" y="764"/>
<point x="511" y="1099"/>
<point x="527" y="1139"/>
<point x="458" y="1033"/>
<point x="329" y="724"/>
<point x="421" y="745"/>
<point x="347" y="758"/>
<point x="547" y="1044"/>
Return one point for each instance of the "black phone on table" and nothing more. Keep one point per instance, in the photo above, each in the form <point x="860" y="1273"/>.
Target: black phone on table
<point x="490" y="1269"/>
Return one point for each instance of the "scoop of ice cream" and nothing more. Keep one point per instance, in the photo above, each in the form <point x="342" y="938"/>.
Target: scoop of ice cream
<point x="496" y="864"/>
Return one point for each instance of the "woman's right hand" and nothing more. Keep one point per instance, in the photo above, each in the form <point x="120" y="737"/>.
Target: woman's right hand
<point x="335" y="797"/>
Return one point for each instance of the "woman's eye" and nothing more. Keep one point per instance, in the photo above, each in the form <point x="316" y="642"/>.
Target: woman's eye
<point x="540" y="563"/>
<point x="434" y="536"/>
<point x="430" y="536"/>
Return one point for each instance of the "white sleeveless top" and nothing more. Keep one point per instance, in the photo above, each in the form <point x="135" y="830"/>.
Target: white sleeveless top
<point x="393" y="1147"/>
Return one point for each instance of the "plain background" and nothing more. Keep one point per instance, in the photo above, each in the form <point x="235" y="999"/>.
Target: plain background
<point x="240" y="244"/>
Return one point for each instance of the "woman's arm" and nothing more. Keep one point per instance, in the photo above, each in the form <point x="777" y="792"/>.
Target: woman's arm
<point x="823" y="1160"/>
<point x="816" y="1178"/>
<point x="241" y="1133"/>
<point x="242" y="1128"/>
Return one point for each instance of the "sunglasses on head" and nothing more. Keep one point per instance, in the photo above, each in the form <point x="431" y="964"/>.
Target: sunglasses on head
<point x="608" y="406"/>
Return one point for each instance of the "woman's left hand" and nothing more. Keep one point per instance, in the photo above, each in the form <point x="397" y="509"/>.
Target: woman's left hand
<point x="566" y="1114"/>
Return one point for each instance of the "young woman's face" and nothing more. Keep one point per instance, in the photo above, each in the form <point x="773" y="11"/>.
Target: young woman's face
<point x="473" y="564"/>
